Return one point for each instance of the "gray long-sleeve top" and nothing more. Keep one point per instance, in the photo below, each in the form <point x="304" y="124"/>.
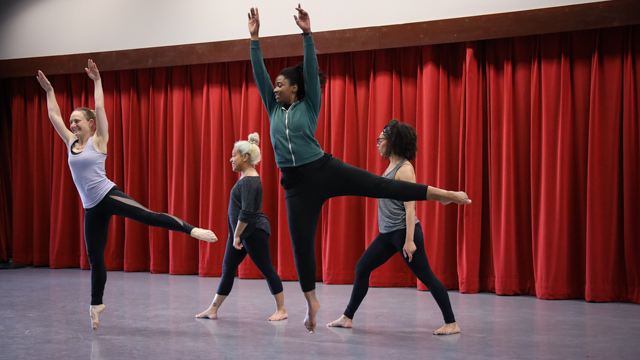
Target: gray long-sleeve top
<point x="245" y="204"/>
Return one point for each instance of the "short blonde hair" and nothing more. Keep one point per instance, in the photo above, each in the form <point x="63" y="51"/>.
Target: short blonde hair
<point x="249" y="147"/>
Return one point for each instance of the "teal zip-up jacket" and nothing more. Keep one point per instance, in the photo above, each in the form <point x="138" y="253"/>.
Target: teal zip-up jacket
<point x="293" y="131"/>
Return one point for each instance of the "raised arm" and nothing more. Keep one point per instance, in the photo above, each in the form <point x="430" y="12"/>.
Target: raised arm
<point x="260" y="75"/>
<point x="102" y="125"/>
<point x="303" y="20"/>
<point x="54" y="110"/>
<point x="254" y="23"/>
<point x="311" y="70"/>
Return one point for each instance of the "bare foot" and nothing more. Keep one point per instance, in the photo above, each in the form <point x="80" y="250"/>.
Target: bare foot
<point x="95" y="311"/>
<point x="210" y="313"/>
<point x="310" y="319"/>
<point x="203" y="234"/>
<point x="279" y="315"/>
<point x="343" y="322"/>
<point x="448" y="329"/>
<point x="458" y="197"/>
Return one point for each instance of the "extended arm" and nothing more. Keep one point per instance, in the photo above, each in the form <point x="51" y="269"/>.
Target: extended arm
<point x="311" y="70"/>
<point x="102" y="125"/>
<point x="260" y="75"/>
<point x="254" y="23"/>
<point x="54" y="110"/>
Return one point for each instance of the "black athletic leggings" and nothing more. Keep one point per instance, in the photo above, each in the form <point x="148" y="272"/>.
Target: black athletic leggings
<point x="257" y="246"/>
<point x="308" y="186"/>
<point x="379" y="252"/>
<point x="96" y="231"/>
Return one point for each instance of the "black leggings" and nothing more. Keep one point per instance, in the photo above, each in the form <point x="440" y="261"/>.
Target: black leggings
<point x="308" y="186"/>
<point x="379" y="252"/>
<point x="96" y="231"/>
<point x="257" y="246"/>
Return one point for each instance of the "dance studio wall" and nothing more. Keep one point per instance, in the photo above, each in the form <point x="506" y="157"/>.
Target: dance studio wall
<point x="126" y="24"/>
<point x="542" y="132"/>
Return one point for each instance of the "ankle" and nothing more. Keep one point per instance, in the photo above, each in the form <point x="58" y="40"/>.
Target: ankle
<point x="436" y="194"/>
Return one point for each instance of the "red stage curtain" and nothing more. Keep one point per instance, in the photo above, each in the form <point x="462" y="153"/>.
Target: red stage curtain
<point x="542" y="132"/>
<point x="5" y="171"/>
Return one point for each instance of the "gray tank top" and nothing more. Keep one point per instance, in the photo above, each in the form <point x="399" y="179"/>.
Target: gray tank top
<point x="89" y="175"/>
<point x="391" y="213"/>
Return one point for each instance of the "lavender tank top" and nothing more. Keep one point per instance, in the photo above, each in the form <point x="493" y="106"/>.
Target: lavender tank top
<point x="391" y="213"/>
<point x="89" y="175"/>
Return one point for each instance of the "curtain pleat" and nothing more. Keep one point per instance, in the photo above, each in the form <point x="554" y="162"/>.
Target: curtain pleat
<point x="542" y="132"/>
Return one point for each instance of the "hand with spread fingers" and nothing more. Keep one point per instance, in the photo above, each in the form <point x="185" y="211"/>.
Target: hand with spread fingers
<point x="254" y="23"/>
<point x="303" y="20"/>
<point x="92" y="70"/>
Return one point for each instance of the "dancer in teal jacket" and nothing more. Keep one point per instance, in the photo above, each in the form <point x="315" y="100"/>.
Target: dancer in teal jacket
<point x="309" y="176"/>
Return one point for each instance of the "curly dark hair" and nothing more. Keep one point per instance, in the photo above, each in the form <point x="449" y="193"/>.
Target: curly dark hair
<point x="402" y="140"/>
<point x="295" y="76"/>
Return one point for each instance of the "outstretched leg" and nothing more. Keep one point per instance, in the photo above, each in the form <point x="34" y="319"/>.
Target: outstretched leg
<point x="447" y="197"/>
<point x="123" y="205"/>
<point x="203" y="234"/>
<point x="350" y="180"/>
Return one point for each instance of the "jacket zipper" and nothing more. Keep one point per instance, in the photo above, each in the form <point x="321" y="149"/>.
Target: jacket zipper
<point x="286" y="125"/>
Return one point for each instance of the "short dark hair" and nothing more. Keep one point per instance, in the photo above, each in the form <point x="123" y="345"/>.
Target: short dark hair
<point x="295" y="75"/>
<point x="402" y="140"/>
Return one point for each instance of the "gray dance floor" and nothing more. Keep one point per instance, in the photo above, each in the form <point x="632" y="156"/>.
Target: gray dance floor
<point x="44" y="314"/>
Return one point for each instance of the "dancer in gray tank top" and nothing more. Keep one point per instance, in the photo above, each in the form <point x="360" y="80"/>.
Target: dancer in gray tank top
<point x="87" y="148"/>
<point x="400" y="231"/>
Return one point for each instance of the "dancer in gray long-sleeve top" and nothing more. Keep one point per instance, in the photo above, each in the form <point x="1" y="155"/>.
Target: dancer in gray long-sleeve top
<point x="249" y="230"/>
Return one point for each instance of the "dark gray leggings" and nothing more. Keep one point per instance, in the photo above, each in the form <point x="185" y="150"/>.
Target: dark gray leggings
<point x="96" y="231"/>
<point x="308" y="186"/>
<point x="257" y="246"/>
<point x="379" y="252"/>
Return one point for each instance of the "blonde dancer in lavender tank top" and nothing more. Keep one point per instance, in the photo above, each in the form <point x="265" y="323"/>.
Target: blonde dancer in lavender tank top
<point x="86" y="142"/>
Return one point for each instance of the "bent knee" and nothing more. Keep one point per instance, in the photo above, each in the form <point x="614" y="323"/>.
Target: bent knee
<point x="363" y="270"/>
